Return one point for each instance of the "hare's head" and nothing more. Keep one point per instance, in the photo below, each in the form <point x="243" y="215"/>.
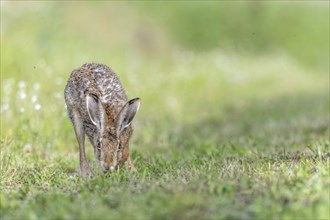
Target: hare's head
<point x="114" y="131"/>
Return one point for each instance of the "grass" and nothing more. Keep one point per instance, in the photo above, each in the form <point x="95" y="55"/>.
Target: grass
<point x="220" y="135"/>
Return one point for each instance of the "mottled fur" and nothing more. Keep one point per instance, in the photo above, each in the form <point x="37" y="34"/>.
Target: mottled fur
<point x="98" y="107"/>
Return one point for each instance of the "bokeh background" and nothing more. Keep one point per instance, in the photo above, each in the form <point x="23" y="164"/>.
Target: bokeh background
<point x="189" y="62"/>
<point x="239" y="78"/>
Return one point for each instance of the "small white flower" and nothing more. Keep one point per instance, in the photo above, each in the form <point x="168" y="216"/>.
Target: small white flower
<point x="34" y="98"/>
<point x="58" y="95"/>
<point x="21" y="84"/>
<point x="36" y="86"/>
<point x="37" y="107"/>
<point x="4" y="107"/>
<point x="22" y="110"/>
<point x="59" y="81"/>
<point x="49" y="70"/>
<point x="27" y="147"/>
<point x="8" y="84"/>
<point x="22" y="95"/>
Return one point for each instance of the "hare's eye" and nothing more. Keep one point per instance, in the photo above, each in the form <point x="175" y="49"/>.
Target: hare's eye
<point x="99" y="144"/>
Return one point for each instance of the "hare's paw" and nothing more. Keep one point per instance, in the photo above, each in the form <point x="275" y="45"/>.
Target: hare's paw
<point x="86" y="171"/>
<point x="87" y="174"/>
<point x="133" y="169"/>
<point x="131" y="165"/>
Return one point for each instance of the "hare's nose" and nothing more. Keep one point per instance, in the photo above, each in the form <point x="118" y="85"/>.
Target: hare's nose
<point x="105" y="170"/>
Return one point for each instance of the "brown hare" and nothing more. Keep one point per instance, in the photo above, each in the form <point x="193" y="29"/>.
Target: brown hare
<point x="98" y="107"/>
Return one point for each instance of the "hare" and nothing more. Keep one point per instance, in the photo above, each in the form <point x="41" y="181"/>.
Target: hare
<point x="98" y="107"/>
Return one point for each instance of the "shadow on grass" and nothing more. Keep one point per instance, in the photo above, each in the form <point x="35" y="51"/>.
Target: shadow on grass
<point x="283" y="123"/>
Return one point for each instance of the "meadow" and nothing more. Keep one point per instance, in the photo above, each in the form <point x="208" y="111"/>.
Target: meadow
<point x="234" y="120"/>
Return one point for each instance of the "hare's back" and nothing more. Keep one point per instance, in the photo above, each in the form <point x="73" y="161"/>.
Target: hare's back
<point x="97" y="79"/>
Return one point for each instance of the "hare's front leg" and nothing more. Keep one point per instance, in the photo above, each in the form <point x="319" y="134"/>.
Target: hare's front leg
<point x="80" y="134"/>
<point x="130" y="164"/>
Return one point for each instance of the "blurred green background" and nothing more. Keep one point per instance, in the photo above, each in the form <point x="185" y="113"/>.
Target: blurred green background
<point x="153" y="46"/>
<point x="117" y="30"/>
<point x="218" y="80"/>
<point x="179" y="57"/>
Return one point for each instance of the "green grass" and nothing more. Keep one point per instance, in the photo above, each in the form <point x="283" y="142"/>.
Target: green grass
<point x="220" y="135"/>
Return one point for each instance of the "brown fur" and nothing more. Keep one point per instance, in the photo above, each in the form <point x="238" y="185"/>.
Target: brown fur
<point x="94" y="94"/>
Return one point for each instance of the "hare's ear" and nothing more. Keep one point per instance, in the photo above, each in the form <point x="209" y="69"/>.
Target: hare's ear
<point x="95" y="110"/>
<point x="126" y="115"/>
